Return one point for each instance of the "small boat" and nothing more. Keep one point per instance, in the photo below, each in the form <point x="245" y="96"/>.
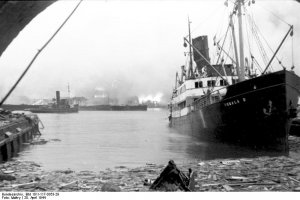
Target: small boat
<point x="230" y="102"/>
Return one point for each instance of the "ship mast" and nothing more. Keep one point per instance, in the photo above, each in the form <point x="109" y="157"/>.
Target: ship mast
<point x="69" y="90"/>
<point x="190" y="71"/>
<point x="235" y="48"/>
<point x="240" y="65"/>
<point x="240" y="19"/>
<point x="176" y="80"/>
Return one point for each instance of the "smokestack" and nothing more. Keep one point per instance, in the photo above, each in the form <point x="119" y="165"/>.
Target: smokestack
<point x="201" y="43"/>
<point x="57" y="97"/>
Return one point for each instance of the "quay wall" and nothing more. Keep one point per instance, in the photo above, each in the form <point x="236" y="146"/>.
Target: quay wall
<point x="13" y="135"/>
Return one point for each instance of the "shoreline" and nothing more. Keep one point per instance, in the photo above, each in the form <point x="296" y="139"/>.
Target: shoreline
<point x="281" y="173"/>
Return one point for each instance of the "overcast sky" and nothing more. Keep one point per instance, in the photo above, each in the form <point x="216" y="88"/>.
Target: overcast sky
<point x="135" y="47"/>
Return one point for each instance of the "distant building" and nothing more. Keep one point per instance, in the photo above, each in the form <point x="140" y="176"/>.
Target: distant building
<point x="134" y="100"/>
<point x="154" y="104"/>
<point x="42" y="101"/>
<point x="81" y="101"/>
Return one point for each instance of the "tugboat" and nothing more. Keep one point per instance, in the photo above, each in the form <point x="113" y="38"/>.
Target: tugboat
<point x="231" y="102"/>
<point x="61" y="106"/>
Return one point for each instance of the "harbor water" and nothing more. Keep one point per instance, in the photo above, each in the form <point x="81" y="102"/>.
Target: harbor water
<point x="97" y="140"/>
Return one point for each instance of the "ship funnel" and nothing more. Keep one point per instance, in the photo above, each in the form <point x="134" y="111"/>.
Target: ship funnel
<point x="201" y="43"/>
<point x="57" y="97"/>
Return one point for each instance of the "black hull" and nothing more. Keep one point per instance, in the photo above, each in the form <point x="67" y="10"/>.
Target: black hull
<point x="114" y="108"/>
<point x="70" y="110"/>
<point x="295" y="127"/>
<point x="240" y="117"/>
<point x="53" y="110"/>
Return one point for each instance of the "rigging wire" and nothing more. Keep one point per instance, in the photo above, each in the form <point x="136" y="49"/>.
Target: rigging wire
<point x="248" y="40"/>
<point x="254" y="61"/>
<point x="223" y="43"/>
<point x="203" y="22"/>
<point x="279" y="60"/>
<point x="257" y="64"/>
<point x="267" y="44"/>
<point x="220" y="26"/>
<point x="222" y="60"/>
<point x="275" y="15"/>
<point x="256" y="32"/>
<point x="233" y="50"/>
<point x="261" y="49"/>
<point x="219" y="35"/>
<point x="248" y="25"/>
<point x="282" y="20"/>
<point x="229" y="50"/>
<point x="37" y="54"/>
<point x="233" y="55"/>
<point x="251" y="16"/>
<point x="293" y="66"/>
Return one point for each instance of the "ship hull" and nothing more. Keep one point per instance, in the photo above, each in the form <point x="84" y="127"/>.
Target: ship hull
<point x="256" y="112"/>
<point x="114" y="108"/>
<point x="54" y="110"/>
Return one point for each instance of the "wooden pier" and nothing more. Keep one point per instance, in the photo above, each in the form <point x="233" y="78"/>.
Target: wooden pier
<point x="16" y="132"/>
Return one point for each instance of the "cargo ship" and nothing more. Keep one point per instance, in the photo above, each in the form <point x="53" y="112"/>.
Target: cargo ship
<point x="61" y="106"/>
<point x="233" y="103"/>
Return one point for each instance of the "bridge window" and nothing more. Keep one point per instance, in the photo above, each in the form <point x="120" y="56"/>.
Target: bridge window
<point x="211" y="83"/>
<point x="181" y="105"/>
<point x="223" y="83"/>
<point x="234" y="81"/>
<point x="200" y="84"/>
